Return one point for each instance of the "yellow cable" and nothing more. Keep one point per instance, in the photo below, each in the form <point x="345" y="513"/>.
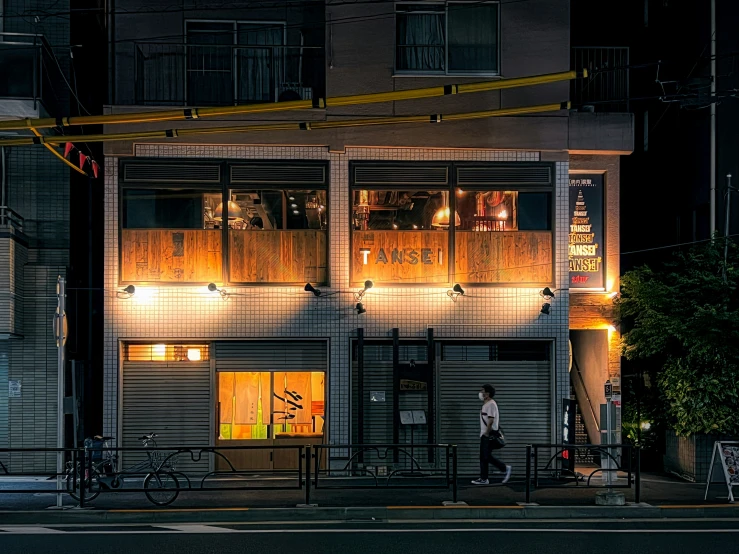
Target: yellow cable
<point x="197" y="113"/>
<point x="305" y="126"/>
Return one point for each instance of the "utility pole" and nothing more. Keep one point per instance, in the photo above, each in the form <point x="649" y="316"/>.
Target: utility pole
<point x="713" y="118"/>
<point x="60" y="330"/>
<point x="727" y="223"/>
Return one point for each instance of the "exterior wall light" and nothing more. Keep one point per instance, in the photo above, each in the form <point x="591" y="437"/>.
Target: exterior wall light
<point x="213" y="288"/>
<point x="360" y="308"/>
<point x="455" y="291"/>
<point x="130" y="289"/>
<point x="545" y="308"/>
<point x="368" y="284"/>
<point x="547" y="293"/>
<point x="311" y="288"/>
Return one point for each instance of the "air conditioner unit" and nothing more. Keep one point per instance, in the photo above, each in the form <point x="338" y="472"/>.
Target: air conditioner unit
<point x="305" y="93"/>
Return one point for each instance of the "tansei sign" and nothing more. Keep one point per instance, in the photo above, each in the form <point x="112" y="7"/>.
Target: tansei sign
<point x="586" y="250"/>
<point x="400" y="256"/>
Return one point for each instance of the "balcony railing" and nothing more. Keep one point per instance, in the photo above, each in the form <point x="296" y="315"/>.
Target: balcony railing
<point x="27" y="67"/>
<point x="607" y="87"/>
<point x="10" y="219"/>
<point x="208" y="75"/>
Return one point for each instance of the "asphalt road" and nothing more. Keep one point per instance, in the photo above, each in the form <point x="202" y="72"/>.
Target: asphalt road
<point x="551" y="537"/>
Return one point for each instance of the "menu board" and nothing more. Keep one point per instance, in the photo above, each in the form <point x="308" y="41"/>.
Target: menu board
<point x="730" y="457"/>
<point x="587" y="229"/>
<point x="728" y="453"/>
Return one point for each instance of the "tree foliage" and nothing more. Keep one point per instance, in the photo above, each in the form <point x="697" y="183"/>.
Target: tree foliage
<point x="683" y="318"/>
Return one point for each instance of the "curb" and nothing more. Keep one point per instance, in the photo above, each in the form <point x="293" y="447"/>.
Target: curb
<point x="389" y="513"/>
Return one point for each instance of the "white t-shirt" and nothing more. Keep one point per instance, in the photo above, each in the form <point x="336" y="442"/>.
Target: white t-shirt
<point x="489" y="410"/>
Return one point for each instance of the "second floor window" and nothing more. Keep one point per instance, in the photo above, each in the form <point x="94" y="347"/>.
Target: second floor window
<point x="234" y="62"/>
<point x="447" y="38"/>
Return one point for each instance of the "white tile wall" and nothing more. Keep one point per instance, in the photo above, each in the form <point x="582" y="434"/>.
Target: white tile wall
<point x="194" y="313"/>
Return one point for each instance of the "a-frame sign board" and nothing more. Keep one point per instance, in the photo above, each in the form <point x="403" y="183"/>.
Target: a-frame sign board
<point x="728" y="453"/>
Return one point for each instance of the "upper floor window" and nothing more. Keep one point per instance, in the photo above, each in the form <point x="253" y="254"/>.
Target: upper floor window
<point x="446" y="38"/>
<point x="231" y="62"/>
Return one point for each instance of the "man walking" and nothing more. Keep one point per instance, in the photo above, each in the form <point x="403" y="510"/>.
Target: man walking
<point x="489" y="430"/>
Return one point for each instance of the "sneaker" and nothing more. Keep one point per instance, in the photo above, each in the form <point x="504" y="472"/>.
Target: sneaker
<point x="507" y="474"/>
<point x="480" y="482"/>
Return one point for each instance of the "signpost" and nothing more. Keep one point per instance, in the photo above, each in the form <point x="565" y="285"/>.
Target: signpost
<point x="568" y="434"/>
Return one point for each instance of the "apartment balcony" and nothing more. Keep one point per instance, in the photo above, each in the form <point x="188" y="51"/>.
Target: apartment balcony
<point x="27" y="67"/>
<point x="214" y="75"/>
<point x="607" y="87"/>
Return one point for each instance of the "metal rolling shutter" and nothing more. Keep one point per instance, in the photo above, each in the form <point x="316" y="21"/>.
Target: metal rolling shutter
<point x="266" y="355"/>
<point x="378" y="416"/>
<point x="523" y="394"/>
<point x="171" y="399"/>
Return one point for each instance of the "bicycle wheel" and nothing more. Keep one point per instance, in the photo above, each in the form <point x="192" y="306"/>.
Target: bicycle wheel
<point x="162" y="488"/>
<point x="92" y="484"/>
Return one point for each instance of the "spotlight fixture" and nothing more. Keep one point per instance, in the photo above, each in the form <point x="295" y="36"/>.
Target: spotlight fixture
<point x="212" y="287"/>
<point x="547" y="293"/>
<point x="455" y="291"/>
<point x="130" y="289"/>
<point x="360" y="308"/>
<point x="545" y="308"/>
<point x="368" y="284"/>
<point x="311" y="288"/>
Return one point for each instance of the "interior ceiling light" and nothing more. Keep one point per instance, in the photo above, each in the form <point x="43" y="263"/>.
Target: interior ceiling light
<point x="212" y="287"/>
<point x="546" y="308"/>
<point x="360" y="308"/>
<point x="311" y="288"/>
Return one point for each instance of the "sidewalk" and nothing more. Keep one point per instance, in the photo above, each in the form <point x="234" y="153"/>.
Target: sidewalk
<point x="662" y="496"/>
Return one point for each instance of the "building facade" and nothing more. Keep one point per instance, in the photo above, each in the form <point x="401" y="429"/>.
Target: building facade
<point x="294" y="287"/>
<point x="34" y="232"/>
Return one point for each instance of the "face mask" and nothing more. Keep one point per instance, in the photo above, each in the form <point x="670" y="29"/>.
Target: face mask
<point x="481" y="396"/>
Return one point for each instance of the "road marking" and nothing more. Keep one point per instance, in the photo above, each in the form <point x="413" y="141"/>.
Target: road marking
<point x="205" y="529"/>
<point x="29" y="530"/>
<point x="195" y="528"/>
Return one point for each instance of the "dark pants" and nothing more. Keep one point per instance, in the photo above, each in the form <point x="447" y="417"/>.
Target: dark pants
<point x="486" y="458"/>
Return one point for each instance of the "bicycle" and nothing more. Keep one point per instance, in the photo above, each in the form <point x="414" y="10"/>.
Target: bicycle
<point x="160" y="484"/>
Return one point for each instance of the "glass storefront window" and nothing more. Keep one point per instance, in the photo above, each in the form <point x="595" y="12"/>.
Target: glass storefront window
<point x="400" y="236"/>
<point x="278" y="236"/>
<point x="503" y="237"/>
<point x="170" y="236"/>
<point x="263" y="405"/>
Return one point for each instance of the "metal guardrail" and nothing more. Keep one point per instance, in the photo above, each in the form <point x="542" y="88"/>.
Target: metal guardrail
<point x="92" y="471"/>
<point x="607" y="87"/>
<point x="561" y="477"/>
<point x="9" y="218"/>
<point x="446" y="471"/>
<point x="28" y="65"/>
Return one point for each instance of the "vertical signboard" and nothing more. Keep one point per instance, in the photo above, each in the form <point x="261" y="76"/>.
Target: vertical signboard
<point x="587" y="231"/>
